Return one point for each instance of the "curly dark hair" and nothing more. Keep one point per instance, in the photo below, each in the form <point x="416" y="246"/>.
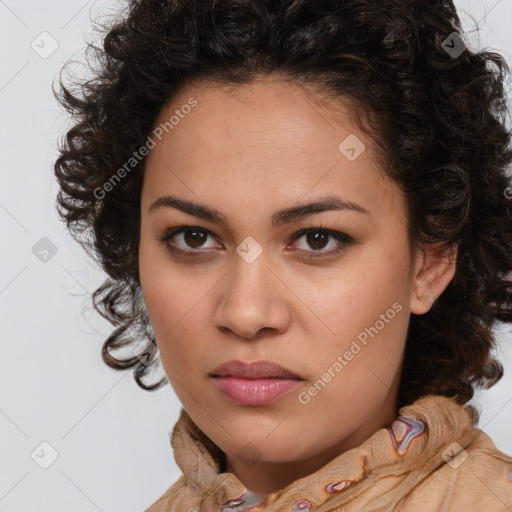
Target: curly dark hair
<point x="438" y="116"/>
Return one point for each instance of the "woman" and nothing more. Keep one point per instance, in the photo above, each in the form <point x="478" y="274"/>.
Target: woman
<point x="304" y="211"/>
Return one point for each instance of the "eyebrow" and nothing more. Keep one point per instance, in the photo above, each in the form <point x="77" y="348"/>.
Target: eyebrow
<point x="322" y="204"/>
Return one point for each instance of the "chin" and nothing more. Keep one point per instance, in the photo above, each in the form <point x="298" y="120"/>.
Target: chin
<point x="254" y="449"/>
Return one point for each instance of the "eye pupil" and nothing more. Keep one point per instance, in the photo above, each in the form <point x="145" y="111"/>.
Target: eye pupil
<point x="315" y="238"/>
<point x="192" y="238"/>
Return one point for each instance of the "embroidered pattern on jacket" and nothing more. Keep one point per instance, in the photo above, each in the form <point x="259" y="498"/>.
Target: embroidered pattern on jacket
<point x="403" y="430"/>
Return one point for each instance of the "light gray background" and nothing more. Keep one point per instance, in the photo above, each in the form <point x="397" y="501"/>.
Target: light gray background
<point x="112" y="438"/>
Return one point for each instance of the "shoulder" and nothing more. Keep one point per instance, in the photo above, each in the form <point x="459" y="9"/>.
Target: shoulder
<point x="178" y="497"/>
<point x="475" y="478"/>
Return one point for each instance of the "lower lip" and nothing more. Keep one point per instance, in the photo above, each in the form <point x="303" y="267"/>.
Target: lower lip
<point x="254" y="392"/>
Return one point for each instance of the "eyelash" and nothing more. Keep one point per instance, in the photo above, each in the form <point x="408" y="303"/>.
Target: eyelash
<point x="345" y="240"/>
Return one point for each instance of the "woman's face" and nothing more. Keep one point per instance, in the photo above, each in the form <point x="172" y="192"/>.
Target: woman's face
<point x="251" y="288"/>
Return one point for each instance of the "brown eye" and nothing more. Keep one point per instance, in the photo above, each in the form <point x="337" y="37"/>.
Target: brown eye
<point x="317" y="239"/>
<point x="186" y="239"/>
<point x="194" y="238"/>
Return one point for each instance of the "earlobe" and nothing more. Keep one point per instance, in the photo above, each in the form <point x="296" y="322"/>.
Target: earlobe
<point x="434" y="271"/>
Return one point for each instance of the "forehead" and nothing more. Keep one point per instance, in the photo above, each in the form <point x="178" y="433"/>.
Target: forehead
<point x="267" y="109"/>
<point x="260" y="138"/>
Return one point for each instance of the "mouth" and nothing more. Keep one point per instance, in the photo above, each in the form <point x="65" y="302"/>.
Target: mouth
<point x="254" y="370"/>
<point x="254" y="384"/>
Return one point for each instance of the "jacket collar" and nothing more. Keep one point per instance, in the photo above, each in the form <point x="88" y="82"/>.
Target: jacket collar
<point x="412" y="446"/>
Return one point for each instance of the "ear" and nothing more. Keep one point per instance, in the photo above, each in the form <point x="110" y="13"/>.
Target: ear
<point x="433" y="271"/>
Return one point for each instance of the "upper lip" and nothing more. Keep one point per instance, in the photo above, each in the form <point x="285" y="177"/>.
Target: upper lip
<point x="253" y="370"/>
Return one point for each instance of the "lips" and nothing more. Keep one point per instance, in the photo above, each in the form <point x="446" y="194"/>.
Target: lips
<point x="257" y="383"/>
<point x="254" y="370"/>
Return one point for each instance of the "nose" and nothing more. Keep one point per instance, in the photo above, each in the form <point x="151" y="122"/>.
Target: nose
<point x="252" y="299"/>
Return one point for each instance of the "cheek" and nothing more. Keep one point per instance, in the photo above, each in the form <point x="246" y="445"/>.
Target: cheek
<point x="167" y="288"/>
<point x="179" y="317"/>
<point x="364" y="306"/>
<point x="358" y="292"/>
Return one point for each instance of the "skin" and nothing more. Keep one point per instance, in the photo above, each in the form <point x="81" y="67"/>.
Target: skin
<point x="249" y="151"/>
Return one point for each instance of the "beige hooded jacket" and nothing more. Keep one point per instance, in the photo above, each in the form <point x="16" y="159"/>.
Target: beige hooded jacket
<point x="431" y="459"/>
